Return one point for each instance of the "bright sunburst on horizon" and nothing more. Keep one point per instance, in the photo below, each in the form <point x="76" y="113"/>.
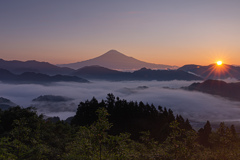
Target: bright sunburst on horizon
<point x="219" y="63"/>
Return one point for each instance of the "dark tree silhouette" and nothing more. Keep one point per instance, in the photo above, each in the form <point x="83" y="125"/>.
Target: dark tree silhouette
<point x="131" y="117"/>
<point x="204" y="134"/>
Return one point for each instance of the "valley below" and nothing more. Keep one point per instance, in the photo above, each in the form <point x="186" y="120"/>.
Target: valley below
<point x="198" y="107"/>
<point x="57" y="90"/>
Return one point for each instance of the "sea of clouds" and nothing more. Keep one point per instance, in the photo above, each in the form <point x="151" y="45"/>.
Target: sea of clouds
<point x="196" y="106"/>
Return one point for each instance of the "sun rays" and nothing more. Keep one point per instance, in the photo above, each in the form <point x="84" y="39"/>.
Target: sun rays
<point x="218" y="70"/>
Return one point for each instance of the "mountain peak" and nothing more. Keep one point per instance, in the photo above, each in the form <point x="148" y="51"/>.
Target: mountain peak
<point x="116" y="61"/>
<point x="112" y="56"/>
<point x="113" y="53"/>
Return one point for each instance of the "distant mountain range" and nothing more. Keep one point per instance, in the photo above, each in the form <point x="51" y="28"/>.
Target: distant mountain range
<point x="213" y="71"/>
<point x="96" y="73"/>
<point x="117" y="61"/>
<point x="101" y="73"/>
<point x="36" y="78"/>
<point x="19" y="67"/>
<point x="100" y="68"/>
<point x="217" y="87"/>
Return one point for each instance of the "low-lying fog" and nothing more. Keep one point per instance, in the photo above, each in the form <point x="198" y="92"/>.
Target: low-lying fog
<point x="196" y="106"/>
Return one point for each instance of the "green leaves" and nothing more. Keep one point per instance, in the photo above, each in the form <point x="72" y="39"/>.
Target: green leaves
<point x="30" y="137"/>
<point x="93" y="142"/>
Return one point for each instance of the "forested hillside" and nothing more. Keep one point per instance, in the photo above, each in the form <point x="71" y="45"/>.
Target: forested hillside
<point x="113" y="129"/>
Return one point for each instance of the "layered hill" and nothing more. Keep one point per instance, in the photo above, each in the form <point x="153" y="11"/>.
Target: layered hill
<point x="6" y="103"/>
<point x="18" y="67"/>
<point x="117" y="61"/>
<point x="102" y="73"/>
<point x="217" y="87"/>
<point x="213" y="71"/>
<point x="51" y="98"/>
<point x="36" y="78"/>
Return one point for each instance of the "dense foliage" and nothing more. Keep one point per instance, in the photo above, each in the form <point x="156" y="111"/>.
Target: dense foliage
<point x="131" y="117"/>
<point x="113" y="129"/>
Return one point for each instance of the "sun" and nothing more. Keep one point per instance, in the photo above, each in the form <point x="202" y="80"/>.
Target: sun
<point x="219" y="63"/>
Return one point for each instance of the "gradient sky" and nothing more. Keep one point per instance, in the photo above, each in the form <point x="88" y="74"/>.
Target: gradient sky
<point x="174" y="32"/>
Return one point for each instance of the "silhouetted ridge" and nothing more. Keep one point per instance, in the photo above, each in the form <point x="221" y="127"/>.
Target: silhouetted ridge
<point x="6" y="103"/>
<point x="5" y="74"/>
<point x="39" y="78"/>
<point x="51" y="98"/>
<point x="102" y="73"/>
<point x="18" y="67"/>
<point x="213" y="71"/>
<point x="4" y="100"/>
<point x="217" y="87"/>
<point x="96" y="70"/>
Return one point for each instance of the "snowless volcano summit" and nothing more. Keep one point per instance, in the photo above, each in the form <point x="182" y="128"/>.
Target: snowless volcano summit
<point x="117" y="61"/>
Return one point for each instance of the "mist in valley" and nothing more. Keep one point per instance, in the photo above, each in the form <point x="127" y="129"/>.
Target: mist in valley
<point x="196" y="106"/>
